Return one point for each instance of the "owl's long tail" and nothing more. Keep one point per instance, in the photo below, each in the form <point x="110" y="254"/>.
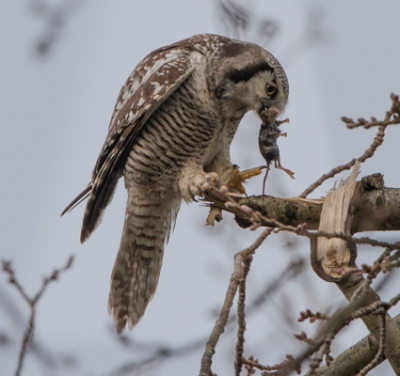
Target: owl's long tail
<point x="137" y="267"/>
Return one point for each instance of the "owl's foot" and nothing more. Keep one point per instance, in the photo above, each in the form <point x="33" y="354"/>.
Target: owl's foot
<point x="235" y="185"/>
<point x="194" y="184"/>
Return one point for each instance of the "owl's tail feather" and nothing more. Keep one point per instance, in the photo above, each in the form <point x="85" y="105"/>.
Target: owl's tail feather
<point x="137" y="267"/>
<point x="78" y="199"/>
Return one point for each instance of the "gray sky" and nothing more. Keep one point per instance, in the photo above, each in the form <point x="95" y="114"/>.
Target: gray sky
<point x="55" y="113"/>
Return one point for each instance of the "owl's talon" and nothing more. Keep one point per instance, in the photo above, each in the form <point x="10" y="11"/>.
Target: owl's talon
<point x="239" y="177"/>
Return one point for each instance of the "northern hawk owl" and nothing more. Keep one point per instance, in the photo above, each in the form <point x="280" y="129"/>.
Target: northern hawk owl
<point x="173" y="124"/>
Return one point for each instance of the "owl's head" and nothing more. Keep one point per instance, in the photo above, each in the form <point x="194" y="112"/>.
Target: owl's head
<point x="250" y="79"/>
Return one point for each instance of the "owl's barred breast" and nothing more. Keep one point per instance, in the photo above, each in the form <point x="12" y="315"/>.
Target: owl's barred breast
<point x="181" y="130"/>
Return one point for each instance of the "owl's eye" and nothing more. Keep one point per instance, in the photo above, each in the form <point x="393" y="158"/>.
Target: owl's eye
<point x="270" y="90"/>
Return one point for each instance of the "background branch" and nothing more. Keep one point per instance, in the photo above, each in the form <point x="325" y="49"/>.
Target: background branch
<point x="222" y="320"/>
<point x="7" y="268"/>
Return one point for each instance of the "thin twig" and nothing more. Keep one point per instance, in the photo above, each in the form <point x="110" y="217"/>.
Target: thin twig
<point x="255" y="364"/>
<point x="55" y="18"/>
<point x="323" y="350"/>
<point x="338" y="321"/>
<point x="219" y="327"/>
<point x="378" y="140"/>
<point x="308" y="314"/>
<point x="392" y="117"/>
<point x="241" y="316"/>
<point x="380" y="354"/>
<point x="7" y="268"/>
<point x="304" y="338"/>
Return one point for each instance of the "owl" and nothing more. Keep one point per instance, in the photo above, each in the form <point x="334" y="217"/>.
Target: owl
<point x="171" y="131"/>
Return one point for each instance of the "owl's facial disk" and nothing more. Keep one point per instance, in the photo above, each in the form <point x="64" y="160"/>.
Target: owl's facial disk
<point x="260" y="92"/>
<point x="266" y="94"/>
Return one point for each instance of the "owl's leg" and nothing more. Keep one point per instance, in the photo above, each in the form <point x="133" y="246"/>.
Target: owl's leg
<point x="193" y="181"/>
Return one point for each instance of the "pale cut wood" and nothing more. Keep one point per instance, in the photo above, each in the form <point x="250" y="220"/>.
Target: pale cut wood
<point x="333" y="254"/>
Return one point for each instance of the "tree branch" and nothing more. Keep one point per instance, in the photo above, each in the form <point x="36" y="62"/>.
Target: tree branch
<point x="222" y="320"/>
<point x="7" y="268"/>
<point x="374" y="210"/>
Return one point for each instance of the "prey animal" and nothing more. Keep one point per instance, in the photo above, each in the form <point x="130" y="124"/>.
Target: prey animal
<point x="171" y="131"/>
<point x="267" y="141"/>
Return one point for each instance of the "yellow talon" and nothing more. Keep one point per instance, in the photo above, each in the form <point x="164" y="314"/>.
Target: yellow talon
<point x="238" y="178"/>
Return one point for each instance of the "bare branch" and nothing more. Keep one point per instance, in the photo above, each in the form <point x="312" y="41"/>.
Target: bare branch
<point x="378" y="140"/>
<point x="308" y="314"/>
<point x="324" y="350"/>
<point x="220" y="324"/>
<point x="392" y="117"/>
<point x="55" y="18"/>
<point x="354" y="310"/>
<point x="235" y="17"/>
<point x="354" y="288"/>
<point x="380" y="354"/>
<point x="353" y="359"/>
<point x="241" y="316"/>
<point x="304" y="338"/>
<point x="254" y="364"/>
<point x="7" y="268"/>
<point x="242" y="22"/>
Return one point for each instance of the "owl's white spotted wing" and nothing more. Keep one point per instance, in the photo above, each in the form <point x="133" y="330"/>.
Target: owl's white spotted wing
<point x="151" y="83"/>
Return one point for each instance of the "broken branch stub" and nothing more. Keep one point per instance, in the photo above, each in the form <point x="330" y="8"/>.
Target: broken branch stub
<point x="330" y="256"/>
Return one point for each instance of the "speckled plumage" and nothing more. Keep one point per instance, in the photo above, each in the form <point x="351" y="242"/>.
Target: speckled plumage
<point x="173" y="123"/>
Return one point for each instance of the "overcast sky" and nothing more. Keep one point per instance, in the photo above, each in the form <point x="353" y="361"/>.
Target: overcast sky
<point x="55" y="110"/>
